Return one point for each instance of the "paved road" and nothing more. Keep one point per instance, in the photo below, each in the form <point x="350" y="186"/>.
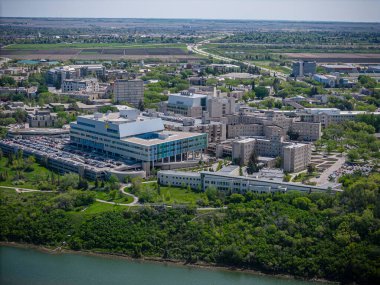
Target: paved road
<point x="196" y="48"/>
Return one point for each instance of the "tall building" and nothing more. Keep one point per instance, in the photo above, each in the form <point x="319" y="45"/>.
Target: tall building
<point x="302" y="68"/>
<point x="130" y="91"/>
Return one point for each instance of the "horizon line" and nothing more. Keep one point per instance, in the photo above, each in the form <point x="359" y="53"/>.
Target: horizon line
<point x="201" y="19"/>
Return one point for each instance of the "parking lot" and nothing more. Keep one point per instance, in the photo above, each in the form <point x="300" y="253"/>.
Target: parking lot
<point x="60" y="149"/>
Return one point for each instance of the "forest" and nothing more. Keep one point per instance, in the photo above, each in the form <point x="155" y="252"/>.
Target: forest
<point x="335" y="237"/>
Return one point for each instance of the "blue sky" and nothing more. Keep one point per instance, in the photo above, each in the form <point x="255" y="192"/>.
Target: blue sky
<point x="314" y="10"/>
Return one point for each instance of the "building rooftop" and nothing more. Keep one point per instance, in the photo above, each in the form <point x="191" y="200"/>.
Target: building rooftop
<point x="159" y="138"/>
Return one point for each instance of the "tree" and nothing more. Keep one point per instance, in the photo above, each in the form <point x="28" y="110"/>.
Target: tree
<point x="113" y="182"/>
<point x="253" y="163"/>
<point x="69" y="180"/>
<point x="141" y="106"/>
<point x="211" y="193"/>
<point x="310" y="169"/>
<point x="261" y="92"/>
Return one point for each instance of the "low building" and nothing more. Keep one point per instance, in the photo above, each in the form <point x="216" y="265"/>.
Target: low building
<point x="327" y="80"/>
<point x="231" y="183"/>
<point x="341" y="68"/>
<point x="42" y="119"/>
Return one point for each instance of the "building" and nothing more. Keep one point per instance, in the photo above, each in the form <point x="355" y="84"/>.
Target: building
<point x="307" y="131"/>
<point x="296" y="157"/>
<point x="216" y="130"/>
<point x="129" y="91"/>
<point x="186" y="104"/>
<point x="328" y="116"/>
<point x="87" y="85"/>
<point x="42" y="119"/>
<point x="327" y="80"/>
<point x="302" y="68"/>
<point x="341" y="68"/>
<point x="56" y="75"/>
<point x="220" y="107"/>
<point x="230" y="183"/>
<point x="130" y="136"/>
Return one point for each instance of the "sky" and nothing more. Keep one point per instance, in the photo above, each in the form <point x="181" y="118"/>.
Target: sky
<point x="299" y="10"/>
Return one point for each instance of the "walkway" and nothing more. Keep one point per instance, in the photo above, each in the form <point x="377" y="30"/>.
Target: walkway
<point x="324" y="177"/>
<point x="25" y="190"/>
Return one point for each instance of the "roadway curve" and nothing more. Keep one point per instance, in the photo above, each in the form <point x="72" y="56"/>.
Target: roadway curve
<point x="196" y="48"/>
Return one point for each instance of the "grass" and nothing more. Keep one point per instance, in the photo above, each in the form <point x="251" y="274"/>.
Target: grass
<point x="92" y="45"/>
<point x="120" y="198"/>
<point x="175" y="195"/>
<point x="30" y="180"/>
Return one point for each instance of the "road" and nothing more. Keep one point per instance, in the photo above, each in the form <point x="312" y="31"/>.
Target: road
<point x="196" y="48"/>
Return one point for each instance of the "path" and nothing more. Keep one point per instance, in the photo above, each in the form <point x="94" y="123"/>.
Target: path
<point x="25" y="190"/>
<point x="324" y="177"/>
<point x="135" y="202"/>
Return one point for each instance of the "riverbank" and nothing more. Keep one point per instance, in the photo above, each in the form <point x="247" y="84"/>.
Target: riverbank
<point x="170" y="262"/>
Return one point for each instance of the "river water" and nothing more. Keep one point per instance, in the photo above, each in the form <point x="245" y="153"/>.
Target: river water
<point x="30" y="266"/>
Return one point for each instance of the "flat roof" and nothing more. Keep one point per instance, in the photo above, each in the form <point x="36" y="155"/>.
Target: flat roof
<point x="173" y="136"/>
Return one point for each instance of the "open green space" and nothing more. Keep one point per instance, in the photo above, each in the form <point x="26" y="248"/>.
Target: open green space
<point x="24" y="175"/>
<point x="153" y="193"/>
<point x="112" y="196"/>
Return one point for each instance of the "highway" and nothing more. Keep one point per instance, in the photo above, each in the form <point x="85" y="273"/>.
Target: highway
<point x="196" y="48"/>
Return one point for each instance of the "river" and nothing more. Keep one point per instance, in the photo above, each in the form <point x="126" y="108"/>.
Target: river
<point x="30" y="266"/>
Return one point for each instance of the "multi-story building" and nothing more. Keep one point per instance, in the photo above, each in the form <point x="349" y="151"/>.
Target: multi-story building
<point x="42" y="119"/>
<point x="220" y="107"/>
<point x="129" y="91"/>
<point x="302" y="68"/>
<point x="186" y="104"/>
<point x="296" y="157"/>
<point x="140" y="139"/>
<point x="87" y="85"/>
<point x="307" y="131"/>
<point x="328" y="116"/>
<point x="56" y="75"/>
<point x="230" y="183"/>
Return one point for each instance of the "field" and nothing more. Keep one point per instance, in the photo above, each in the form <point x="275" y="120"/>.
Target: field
<point x="336" y="57"/>
<point x="101" y="51"/>
<point x="284" y="52"/>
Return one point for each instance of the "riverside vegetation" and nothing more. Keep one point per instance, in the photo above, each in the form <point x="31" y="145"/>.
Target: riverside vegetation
<point x="317" y="235"/>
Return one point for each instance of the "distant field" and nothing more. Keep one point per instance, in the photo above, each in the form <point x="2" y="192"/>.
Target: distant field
<point x="98" y="51"/>
<point x="336" y="57"/>
<point x="89" y="45"/>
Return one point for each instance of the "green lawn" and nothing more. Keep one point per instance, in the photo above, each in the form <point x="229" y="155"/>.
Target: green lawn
<point x="92" y="45"/>
<point x="120" y="198"/>
<point x="171" y="195"/>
